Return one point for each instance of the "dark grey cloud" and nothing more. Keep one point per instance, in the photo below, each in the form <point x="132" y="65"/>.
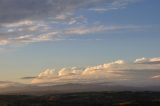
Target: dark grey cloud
<point x="4" y="82"/>
<point x="28" y="78"/>
<point x="155" y="62"/>
<point x="32" y="17"/>
<point x="16" y="10"/>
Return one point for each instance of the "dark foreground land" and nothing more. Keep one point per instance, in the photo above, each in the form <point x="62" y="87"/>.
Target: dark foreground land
<point x="84" y="99"/>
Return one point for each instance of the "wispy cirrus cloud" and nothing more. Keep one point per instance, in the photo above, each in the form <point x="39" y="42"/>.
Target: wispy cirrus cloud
<point x="43" y="33"/>
<point x="29" y="21"/>
<point x="99" y="28"/>
<point x="113" y="5"/>
<point x="18" y="10"/>
<point x="18" y="24"/>
<point x="102" y="9"/>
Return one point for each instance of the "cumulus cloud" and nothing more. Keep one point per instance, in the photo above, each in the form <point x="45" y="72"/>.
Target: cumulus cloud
<point x="117" y="72"/>
<point x="148" y="60"/>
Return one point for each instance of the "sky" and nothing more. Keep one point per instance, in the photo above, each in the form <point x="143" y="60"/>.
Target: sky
<point x="63" y="41"/>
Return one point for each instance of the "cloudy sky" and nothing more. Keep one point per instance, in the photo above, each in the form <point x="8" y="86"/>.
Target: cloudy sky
<point x="63" y="41"/>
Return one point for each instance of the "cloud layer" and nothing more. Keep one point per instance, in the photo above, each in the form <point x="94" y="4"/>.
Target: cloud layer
<point x="117" y="72"/>
<point x="4" y="84"/>
<point x="18" y="10"/>
<point x="29" y="21"/>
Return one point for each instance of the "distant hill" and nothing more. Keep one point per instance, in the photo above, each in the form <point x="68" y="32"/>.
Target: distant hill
<point x="71" y="88"/>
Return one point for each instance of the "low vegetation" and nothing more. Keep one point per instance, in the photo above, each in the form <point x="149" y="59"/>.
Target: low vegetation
<point x="84" y="99"/>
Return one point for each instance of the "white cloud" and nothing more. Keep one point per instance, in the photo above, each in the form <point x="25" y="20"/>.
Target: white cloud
<point x="113" y="5"/>
<point x="157" y="77"/>
<point x="78" y="20"/>
<point x="117" y="72"/>
<point x="47" y="73"/>
<point x="98" y="28"/>
<point x="102" y="9"/>
<point x="70" y="19"/>
<point x="69" y="71"/>
<point x="25" y="39"/>
<point x="61" y="17"/>
<point x="148" y="60"/>
<point x="29" y="34"/>
<point x="84" y="30"/>
<point x="141" y="60"/>
<point x="19" y="24"/>
<point x="46" y="37"/>
<point x="33" y="28"/>
<point x="4" y="42"/>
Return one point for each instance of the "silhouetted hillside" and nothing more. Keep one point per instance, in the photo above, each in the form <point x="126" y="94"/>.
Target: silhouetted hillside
<point x="71" y="88"/>
<point x="84" y="99"/>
